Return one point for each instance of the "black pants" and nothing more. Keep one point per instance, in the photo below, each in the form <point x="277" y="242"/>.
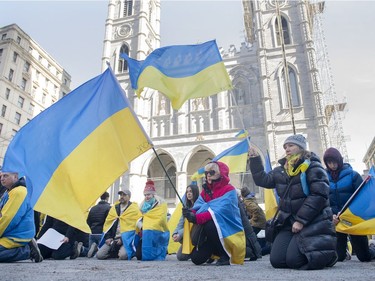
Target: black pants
<point x="285" y="252"/>
<point x="212" y="246"/>
<point x="359" y="245"/>
<point x="64" y="251"/>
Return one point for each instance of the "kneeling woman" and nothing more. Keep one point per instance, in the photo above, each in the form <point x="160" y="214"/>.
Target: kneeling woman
<point x="307" y="236"/>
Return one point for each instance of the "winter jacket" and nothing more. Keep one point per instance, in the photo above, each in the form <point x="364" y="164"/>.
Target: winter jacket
<point x="341" y="190"/>
<point x="97" y="215"/>
<point x="257" y="215"/>
<point x="317" y="238"/>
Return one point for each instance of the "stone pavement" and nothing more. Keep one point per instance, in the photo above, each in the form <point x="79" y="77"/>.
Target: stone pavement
<point x="83" y="269"/>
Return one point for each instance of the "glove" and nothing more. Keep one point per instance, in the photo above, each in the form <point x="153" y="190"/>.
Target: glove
<point x="189" y="215"/>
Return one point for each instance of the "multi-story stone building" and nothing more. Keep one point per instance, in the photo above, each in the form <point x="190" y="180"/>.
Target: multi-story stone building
<point x="278" y="91"/>
<point x="30" y="81"/>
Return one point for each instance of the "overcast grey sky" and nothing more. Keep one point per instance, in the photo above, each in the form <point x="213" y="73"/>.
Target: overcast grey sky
<point x="73" y="32"/>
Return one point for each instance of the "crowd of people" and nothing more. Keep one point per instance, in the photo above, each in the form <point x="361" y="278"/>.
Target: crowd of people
<point x="219" y="223"/>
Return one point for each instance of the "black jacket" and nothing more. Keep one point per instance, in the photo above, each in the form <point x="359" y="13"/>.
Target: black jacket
<point x="60" y="226"/>
<point x="97" y="216"/>
<point x="317" y="239"/>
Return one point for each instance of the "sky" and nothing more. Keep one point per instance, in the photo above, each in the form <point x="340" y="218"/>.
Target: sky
<point x="73" y="31"/>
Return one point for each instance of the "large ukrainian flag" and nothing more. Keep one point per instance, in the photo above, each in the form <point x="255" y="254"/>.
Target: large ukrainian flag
<point x="226" y="216"/>
<point x="71" y="152"/>
<point x="181" y="72"/>
<point x="359" y="217"/>
<point x="235" y="157"/>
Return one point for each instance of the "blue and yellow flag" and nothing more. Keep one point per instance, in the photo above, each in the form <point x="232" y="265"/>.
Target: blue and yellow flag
<point x="242" y="134"/>
<point x="226" y="216"/>
<point x="71" y="152"/>
<point x="235" y="157"/>
<point x="181" y="72"/>
<point x="271" y="199"/>
<point x="155" y="233"/>
<point x="359" y="216"/>
<point x="172" y="224"/>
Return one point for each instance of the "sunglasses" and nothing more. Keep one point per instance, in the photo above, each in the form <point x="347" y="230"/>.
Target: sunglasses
<point x="212" y="172"/>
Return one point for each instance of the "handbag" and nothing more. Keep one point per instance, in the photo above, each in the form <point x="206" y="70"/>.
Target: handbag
<point x="273" y="225"/>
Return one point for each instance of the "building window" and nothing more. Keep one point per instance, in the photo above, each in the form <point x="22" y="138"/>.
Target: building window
<point x="1" y="128"/>
<point x="31" y="108"/>
<point x="3" y="110"/>
<point x="14" y="132"/>
<point x="128" y="7"/>
<point x="7" y="93"/>
<point x="4" y="36"/>
<point x="17" y="118"/>
<point x="10" y="76"/>
<point x="40" y="58"/>
<point x="23" y="84"/>
<point x="18" y="40"/>
<point x="15" y="56"/>
<point x="123" y="64"/>
<point x="21" y="100"/>
<point x="284" y="29"/>
<point x="26" y="66"/>
<point x="293" y="85"/>
<point x="1" y="52"/>
<point x="44" y="99"/>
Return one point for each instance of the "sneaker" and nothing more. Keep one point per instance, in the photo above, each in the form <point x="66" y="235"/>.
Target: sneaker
<point x="35" y="254"/>
<point x="77" y="247"/>
<point x="223" y="261"/>
<point x="93" y="250"/>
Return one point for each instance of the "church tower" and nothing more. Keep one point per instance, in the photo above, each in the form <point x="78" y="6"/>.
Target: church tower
<point x="277" y="92"/>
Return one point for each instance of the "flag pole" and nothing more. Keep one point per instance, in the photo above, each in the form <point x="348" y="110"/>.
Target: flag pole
<point x="354" y="194"/>
<point x="157" y="156"/>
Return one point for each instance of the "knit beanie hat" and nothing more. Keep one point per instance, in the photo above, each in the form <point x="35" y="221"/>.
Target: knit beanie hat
<point x="334" y="155"/>
<point x="245" y="191"/>
<point x="150" y="187"/>
<point x="296" y="139"/>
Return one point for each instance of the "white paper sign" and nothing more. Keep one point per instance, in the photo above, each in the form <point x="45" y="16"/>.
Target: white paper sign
<point x="51" y="239"/>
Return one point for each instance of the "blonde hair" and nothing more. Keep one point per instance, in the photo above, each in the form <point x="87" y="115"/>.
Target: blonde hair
<point x="212" y="166"/>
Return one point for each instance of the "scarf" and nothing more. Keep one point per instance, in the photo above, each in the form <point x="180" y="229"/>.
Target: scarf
<point x="147" y="205"/>
<point x="291" y="161"/>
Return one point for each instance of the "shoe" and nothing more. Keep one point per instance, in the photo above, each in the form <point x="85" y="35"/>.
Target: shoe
<point x="222" y="261"/>
<point x="35" y="254"/>
<point x="333" y="261"/>
<point x="210" y="260"/>
<point x="93" y="250"/>
<point x="77" y="247"/>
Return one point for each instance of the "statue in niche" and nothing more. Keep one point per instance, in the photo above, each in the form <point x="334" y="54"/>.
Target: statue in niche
<point x="199" y="104"/>
<point x="162" y="105"/>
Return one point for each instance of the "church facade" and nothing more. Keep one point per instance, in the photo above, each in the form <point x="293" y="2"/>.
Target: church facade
<point x="276" y="92"/>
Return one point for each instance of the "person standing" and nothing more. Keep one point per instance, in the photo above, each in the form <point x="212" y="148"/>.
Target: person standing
<point x="95" y="220"/>
<point x="344" y="181"/>
<point x="306" y="239"/>
<point x="17" y="227"/>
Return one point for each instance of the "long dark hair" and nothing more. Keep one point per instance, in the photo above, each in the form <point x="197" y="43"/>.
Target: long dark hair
<point x="195" y="191"/>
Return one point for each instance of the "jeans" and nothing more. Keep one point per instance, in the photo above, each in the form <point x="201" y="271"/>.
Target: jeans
<point x="14" y="254"/>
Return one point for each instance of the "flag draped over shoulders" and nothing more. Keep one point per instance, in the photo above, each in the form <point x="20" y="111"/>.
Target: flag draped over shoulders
<point x="226" y="216"/>
<point x="155" y="233"/>
<point x="181" y="72"/>
<point x="359" y="216"/>
<point x="71" y="152"/>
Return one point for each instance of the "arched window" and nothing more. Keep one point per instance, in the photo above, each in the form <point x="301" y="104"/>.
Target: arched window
<point x="284" y="29"/>
<point x="294" y="92"/>
<point x="123" y="64"/>
<point x="128" y="8"/>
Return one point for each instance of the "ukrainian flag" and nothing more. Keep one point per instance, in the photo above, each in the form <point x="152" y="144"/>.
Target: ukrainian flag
<point x="359" y="216"/>
<point x="71" y="152"/>
<point x="155" y="233"/>
<point x="271" y="199"/>
<point x="181" y="72"/>
<point x="242" y="134"/>
<point x="235" y="157"/>
<point x="226" y="216"/>
<point x="127" y="221"/>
